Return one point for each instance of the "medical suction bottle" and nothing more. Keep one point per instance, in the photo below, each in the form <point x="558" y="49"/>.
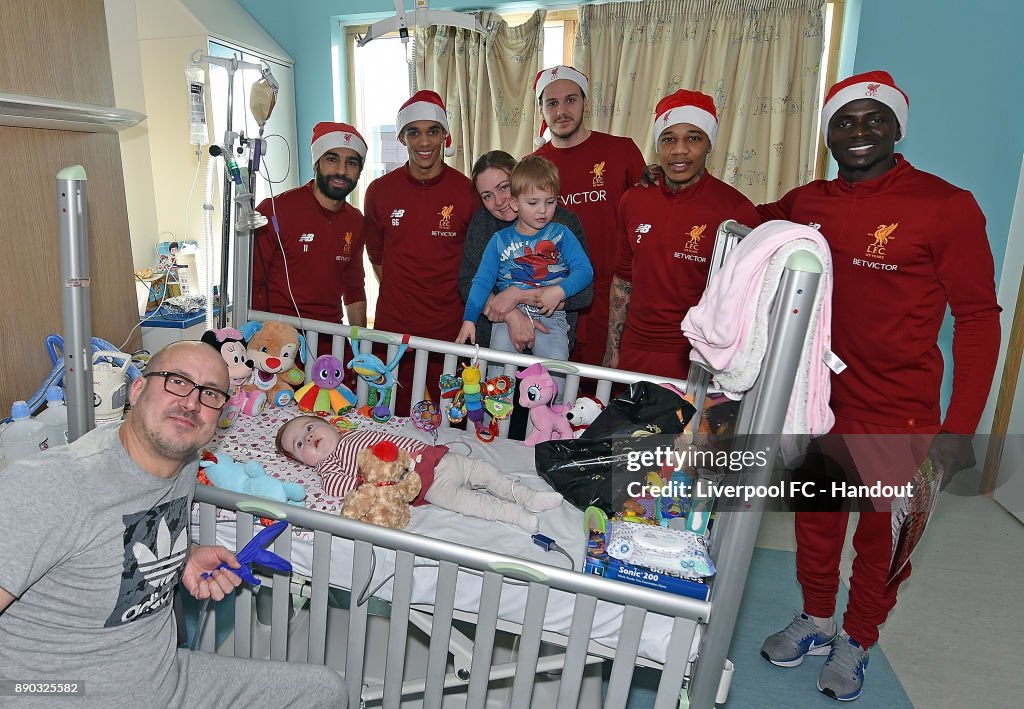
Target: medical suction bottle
<point x="55" y="417"/>
<point x="24" y="436"/>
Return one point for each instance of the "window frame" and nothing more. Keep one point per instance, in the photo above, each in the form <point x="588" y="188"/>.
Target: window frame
<point x="829" y="77"/>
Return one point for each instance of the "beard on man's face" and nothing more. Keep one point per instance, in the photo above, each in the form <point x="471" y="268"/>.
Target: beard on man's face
<point x="323" y="183"/>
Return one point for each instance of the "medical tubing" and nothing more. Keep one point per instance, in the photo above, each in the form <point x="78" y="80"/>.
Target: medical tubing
<point x="208" y="239"/>
<point x="56" y="375"/>
<point x="204" y="613"/>
<point x="191" y="189"/>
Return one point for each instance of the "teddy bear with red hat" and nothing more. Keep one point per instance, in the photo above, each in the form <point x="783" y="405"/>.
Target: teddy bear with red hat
<point x="388" y="483"/>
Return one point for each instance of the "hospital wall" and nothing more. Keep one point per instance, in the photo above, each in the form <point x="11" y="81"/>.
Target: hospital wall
<point x="150" y="45"/>
<point x="66" y="59"/>
<point x="960" y="64"/>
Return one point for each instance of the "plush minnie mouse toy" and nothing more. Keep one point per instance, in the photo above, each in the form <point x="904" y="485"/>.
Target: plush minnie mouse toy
<point x="231" y="345"/>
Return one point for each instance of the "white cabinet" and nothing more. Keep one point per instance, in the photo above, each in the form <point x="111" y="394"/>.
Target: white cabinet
<point x="158" y="333"/>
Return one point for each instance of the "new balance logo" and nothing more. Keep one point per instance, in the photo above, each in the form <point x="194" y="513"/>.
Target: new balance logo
<point x="306" y="238"/>
<point x="643" y="228"/>
<point x="398" y="214"/>
<point x="160" y="568"/>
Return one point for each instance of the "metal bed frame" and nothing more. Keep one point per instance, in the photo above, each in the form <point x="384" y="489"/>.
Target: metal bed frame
<point x="762" y="412"/>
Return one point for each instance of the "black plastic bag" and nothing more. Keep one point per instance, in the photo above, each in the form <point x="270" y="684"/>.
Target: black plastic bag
<point x="594" y="470"/>
<point x="646" y="407"/>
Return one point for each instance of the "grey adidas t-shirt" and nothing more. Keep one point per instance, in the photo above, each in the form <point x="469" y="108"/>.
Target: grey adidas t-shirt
<point x="92" y="546"/>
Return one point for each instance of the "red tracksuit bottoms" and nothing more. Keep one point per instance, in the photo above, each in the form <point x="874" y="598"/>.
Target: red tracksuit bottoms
<point x="820" y="536"/>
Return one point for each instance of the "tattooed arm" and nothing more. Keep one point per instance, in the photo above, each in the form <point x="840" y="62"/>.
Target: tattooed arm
<point x="618" y="307"/>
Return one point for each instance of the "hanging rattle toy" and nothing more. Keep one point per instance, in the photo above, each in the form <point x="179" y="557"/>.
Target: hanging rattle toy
<point x="426" y="417"/>
<point x="470" y="399"/>
<point x="378" y="376"/>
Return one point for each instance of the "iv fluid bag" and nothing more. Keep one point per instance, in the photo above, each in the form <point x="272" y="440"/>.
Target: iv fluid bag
<point x="262" y="99"/>
<point x="198" y="133"/>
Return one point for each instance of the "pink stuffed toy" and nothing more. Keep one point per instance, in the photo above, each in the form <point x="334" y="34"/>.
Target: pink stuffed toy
<point x="537" y="391"/>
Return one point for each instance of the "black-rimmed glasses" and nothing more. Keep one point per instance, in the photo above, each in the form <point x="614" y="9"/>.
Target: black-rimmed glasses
<point x="180" y="385"/>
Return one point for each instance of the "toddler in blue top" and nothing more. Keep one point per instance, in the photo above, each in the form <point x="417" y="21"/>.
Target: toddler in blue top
<point x="533" y="254"/>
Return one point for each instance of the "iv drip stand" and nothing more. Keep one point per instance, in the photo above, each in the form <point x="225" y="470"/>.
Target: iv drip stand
<point x="243" y="252"/>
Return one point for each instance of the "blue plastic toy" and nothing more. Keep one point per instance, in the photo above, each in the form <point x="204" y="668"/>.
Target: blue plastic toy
<point x="255" y="552"/>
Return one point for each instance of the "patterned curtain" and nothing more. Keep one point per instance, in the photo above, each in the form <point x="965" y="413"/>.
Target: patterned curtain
<point x="486" y="81"/>
<point x="758" y="59"/>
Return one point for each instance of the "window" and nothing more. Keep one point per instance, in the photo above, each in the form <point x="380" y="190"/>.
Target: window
<point x="380" y="79"/>
<point x="382" y="82"/>
<point x="835" y="11"/>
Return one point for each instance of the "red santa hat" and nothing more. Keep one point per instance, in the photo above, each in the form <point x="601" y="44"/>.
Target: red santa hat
<point x="684" y="106"/>
<point x="545" y="77"/>
<point x="328" y="136"/>
<point x="877" y="85"/>
<point x="387" y="451"/>
<point x="426" y="106"/>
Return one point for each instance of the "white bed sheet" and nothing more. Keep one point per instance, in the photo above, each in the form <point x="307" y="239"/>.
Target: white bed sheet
<point x="253" y="439"/>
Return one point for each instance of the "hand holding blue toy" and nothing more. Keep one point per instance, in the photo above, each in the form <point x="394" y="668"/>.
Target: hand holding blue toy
<point x="255" y="553"/>
<point x="252" y="553"/>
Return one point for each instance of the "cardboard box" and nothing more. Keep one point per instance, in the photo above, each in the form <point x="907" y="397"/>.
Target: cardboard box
<point x="598" y="562"/>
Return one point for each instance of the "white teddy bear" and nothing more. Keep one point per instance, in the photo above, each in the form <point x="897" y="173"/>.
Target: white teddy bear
<point x="583" y="412"/>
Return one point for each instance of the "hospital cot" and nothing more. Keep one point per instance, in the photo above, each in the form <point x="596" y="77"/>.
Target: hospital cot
<point x="464" y="657"/>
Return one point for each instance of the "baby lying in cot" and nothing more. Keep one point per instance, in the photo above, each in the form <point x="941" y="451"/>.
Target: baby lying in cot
<point x="447" y="478"/>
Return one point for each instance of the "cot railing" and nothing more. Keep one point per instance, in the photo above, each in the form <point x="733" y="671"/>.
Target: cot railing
<point x="452" y="560"/>
<point x="603" y="379"/>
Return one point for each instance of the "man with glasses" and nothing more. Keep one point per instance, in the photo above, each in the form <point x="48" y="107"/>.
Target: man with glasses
<point x="95" y="536"/>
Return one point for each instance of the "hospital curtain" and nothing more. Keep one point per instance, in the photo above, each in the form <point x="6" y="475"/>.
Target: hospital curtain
<point x="758" y="59"/>
<point x="486" y="81"/>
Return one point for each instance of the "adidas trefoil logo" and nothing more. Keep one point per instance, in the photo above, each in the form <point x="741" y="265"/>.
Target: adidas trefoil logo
<point x="159" y="569"/>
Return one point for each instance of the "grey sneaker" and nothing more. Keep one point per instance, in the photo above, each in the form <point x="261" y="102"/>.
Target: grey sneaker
<point x="788" y="647"/>
<point x="842" y="675"/>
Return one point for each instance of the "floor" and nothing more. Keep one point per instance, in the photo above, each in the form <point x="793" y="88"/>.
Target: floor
<point x="956" y="637"/>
